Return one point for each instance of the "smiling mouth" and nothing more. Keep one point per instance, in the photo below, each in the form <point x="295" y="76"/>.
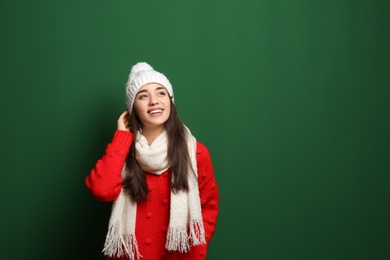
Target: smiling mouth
<point x="153" y="112"/>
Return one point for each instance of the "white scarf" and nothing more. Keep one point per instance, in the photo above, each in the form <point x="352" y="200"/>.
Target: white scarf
<point x="185" y="209"/>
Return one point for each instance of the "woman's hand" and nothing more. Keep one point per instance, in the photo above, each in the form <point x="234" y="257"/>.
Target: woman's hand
<point x="123" y="123"/>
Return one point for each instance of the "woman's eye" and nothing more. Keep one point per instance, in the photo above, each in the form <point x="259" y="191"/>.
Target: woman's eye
<point x="162" y="93"/>
<point x="142" y="96"/>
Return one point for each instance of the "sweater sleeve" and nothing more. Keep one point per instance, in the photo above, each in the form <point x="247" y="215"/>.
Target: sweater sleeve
<point x="105" y="179"/>
<point x="208" y="190"/>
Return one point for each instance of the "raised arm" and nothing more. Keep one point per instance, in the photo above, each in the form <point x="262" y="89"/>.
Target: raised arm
<point x="105" y="179"/>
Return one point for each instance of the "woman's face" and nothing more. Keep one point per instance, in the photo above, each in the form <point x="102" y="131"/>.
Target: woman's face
<point x="152" y="105"/>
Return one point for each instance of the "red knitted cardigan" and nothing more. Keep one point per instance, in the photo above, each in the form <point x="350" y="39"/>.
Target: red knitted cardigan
<point x="105" y="183"/>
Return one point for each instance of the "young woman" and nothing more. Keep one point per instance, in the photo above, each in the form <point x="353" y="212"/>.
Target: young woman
<point x="160" y="178"/>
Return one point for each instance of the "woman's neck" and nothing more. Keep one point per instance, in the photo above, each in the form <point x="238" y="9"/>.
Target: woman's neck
<point x="151" y="133"/>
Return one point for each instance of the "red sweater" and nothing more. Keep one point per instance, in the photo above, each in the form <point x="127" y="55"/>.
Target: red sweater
<point x="105" y="183"/>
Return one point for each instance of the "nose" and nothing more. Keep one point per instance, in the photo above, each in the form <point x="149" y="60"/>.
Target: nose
<point x="153" y="100"/>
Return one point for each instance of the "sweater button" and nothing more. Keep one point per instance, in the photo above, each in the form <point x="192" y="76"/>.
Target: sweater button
<point x="164" y="229"/>
<point x="148" y="242"/>
<point x="148" y="215"/>
<point x="164" y="202"/>
<point x="213" y="203"/>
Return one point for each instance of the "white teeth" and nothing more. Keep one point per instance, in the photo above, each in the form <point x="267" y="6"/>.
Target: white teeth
<point x="156" y="111"/>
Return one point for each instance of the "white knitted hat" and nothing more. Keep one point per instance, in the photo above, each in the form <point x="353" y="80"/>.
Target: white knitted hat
<point x="140" y="75"/>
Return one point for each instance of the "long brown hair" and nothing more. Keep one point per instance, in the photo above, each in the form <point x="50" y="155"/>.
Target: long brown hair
<point x="134" y="181"/>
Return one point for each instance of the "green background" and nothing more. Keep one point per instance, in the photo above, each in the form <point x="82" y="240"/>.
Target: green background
<point x="290" y="97"/>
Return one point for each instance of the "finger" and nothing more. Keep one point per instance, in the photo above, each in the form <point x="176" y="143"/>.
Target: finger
<point x="123" y="115"/>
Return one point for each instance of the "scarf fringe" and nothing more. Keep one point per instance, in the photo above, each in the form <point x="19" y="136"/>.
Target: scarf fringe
<point x="178" y="239"/>
<point x="117" y="245"/>
<point x="197" y="232"/>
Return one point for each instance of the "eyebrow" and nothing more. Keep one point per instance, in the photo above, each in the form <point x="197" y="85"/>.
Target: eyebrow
<point x="144" y="90"/>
